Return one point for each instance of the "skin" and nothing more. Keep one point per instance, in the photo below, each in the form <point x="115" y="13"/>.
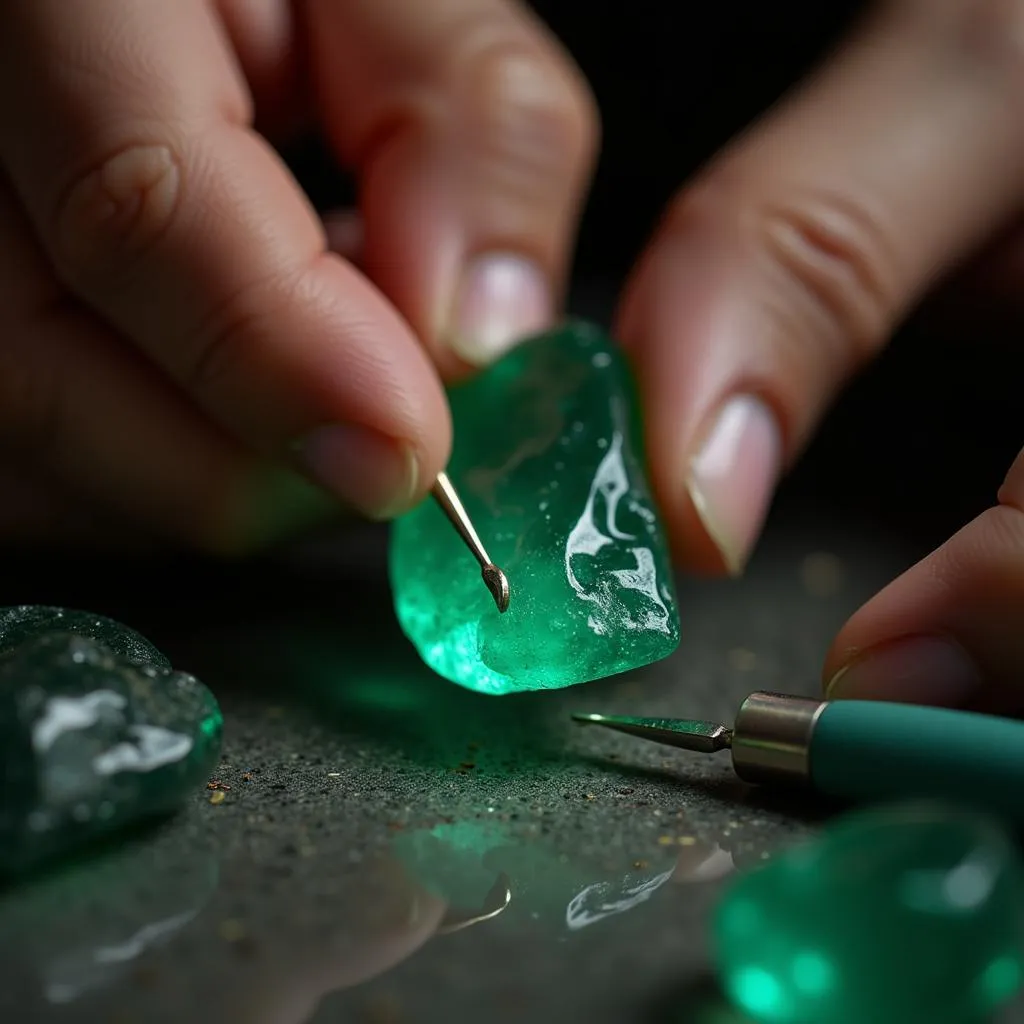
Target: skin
<point x="180" y="326"/>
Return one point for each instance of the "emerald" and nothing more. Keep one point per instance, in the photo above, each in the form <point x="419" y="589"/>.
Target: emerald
<point x="547" y="459"/>
<point x="94" y="736"/>
<point x="901" y="914"/>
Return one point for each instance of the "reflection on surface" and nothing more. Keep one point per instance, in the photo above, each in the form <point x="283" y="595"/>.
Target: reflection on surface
<point x="81" y="928"/>
<point x="167" y="929"/>
<point x="454" y="860"/>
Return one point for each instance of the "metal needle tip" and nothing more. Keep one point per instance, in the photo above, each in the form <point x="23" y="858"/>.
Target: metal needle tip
<point x="451" y="504"/>
<point x="497" y="584"/>
<point x="703" y="737"/>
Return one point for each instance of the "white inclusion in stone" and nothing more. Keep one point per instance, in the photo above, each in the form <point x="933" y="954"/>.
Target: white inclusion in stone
<point x="71" y="714"/>
<point x="154" y="747"/>
<point x="587" y="539"/>
<point x="593" y="905"/>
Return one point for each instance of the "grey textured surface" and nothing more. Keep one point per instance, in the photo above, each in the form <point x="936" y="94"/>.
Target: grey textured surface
<point x="365" y="795"/>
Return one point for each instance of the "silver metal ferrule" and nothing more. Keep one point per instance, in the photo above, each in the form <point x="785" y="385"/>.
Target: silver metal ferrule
<point x="771" y="741"/>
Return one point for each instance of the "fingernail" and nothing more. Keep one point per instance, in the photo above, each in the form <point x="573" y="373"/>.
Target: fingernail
<point x="503" y="299"/>
<point x="375" y="475"/>
<point x="733" y="476"/>
<point x="918" y="670"/>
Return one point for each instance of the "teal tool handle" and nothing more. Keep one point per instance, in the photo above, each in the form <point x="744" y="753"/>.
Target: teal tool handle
<point x="873" y="750"/>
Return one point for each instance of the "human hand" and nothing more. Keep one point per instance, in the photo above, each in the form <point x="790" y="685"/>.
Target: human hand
<point x="176" y="330"/>
<point x="787" y="264"/>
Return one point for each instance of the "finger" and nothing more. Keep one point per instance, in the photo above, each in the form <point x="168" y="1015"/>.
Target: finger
<point x="948" y="631"/>
<point x="97" y="429"/>
<point x="266" y="36"/>
<point x="161" y="209"/>
<point x="787" y="264"/>
<point x="473" y="136"/>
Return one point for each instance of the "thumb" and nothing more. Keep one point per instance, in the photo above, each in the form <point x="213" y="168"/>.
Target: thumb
<point x="794" y="255"/>
<point x="948" y="631"/>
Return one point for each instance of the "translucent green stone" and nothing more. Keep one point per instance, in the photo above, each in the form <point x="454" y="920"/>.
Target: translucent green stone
<point x="907" y="914"/>
<point x="92" y="739"/>
<point x="30" y="621"/>
<point x="547" y="458"/>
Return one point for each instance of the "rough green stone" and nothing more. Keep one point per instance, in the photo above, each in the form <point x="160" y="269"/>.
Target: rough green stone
<point x="547" y="459"/>
<point x="29" y="621"/>
<point x="906" y="914"/>
<point x="92" y="741"/>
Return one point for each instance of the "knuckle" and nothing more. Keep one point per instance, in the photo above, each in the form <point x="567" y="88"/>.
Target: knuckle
<point x="833" y="256"/>
<point x="108" y="217"/>
<point x="527" y="109"/>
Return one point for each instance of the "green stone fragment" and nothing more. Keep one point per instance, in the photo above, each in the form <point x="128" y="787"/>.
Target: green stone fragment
<point x="92" y="741"/>
<point x="905" y="914"/>
<point x="547" y="459"/>
<point x="29" y="621"/>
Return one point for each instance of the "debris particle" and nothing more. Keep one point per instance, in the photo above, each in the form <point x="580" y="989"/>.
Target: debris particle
<point x="218" y="797"/>
<point x="640" y="864"/>
<point x="231" y="930"/>
<point x="247" y="776"/>
<point x="742" y="660"/>
<point x="589" y="796"/>
<point x="822" y="574"/>
<point x="385" y="1009"/>
<point x="217" y="784"/>
<point x="334" y="775"/>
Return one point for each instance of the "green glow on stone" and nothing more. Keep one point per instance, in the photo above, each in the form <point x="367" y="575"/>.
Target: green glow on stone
<point x="548" y="461"/>
<point x="903" y="914"/>
<point x="758" y="992"/>
<point x="1000" y="981"/>
<point x="813" y="974"/>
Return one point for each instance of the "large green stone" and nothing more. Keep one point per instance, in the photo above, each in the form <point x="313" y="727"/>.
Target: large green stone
<point x="547" y="459"/>
<point x="905" y="914"/>
<point x="93" y="736"/>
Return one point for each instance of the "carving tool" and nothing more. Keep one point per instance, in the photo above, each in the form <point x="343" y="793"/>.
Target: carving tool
<point x="858" y="750"/>
<point x="451" y="504"/>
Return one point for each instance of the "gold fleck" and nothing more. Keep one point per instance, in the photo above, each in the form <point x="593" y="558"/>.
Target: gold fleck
<point x="231" y="930"/>
<point x="218" y="797"/>
<point x="665" y="840"/>
<point x="687" y="841"/>
<point x="822" y="574"/>
<point x="742" y="660"/>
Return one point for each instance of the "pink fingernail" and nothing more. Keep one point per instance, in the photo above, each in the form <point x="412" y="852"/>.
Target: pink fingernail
<point x="917" y="670"/>
<point x="734" y="474"/>
<point x="375" y="475"/>
<point x="503" y="299"/>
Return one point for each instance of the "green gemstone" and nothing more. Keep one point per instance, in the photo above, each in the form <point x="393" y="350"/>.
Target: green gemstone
<point x="92" y="741"/>
<point x="29" y="621"/>
<point x="547" y="459"/>
<point x="904" y="914"/>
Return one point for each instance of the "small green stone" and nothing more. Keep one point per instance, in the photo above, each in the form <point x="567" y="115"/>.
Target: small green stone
<point x="29" y="621"/>
<point x="898" y="915"/>
<point x="92" y="741"/>
<point x="547" y="459"/>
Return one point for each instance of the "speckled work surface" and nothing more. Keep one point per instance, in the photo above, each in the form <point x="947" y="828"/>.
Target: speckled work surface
<point x="364" y="807"/>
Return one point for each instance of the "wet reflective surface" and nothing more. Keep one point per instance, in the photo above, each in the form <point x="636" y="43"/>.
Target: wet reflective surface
<point x="382" y="846"/>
